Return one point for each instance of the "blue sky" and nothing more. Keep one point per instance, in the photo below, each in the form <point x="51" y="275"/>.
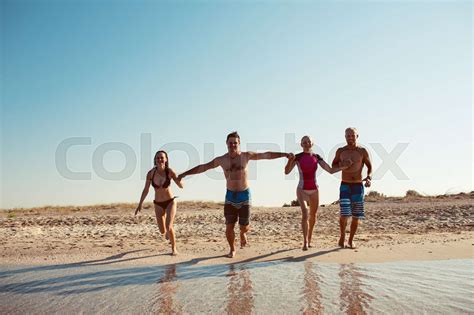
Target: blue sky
<point x="184" y="74"/>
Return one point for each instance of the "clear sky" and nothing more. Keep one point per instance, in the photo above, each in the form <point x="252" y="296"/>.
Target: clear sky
<point x="137" y="76"/>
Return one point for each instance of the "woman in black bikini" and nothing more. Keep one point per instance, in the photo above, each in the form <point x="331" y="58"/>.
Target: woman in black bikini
<point x="165" y="204"/>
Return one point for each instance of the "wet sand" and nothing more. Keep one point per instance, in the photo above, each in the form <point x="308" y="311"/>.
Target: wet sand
<point x="394" y="229"/>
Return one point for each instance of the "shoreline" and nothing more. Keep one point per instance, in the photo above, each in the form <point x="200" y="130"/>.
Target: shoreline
<point x="110" y="234"/>
<point x="440" y="246"/>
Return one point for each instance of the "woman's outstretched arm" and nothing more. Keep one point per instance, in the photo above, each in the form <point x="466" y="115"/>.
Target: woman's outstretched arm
<point x="290" y="164"/>
<point x="144" y="192"/>
<point x="335" y="169"/>
<point x="178" y="181"/>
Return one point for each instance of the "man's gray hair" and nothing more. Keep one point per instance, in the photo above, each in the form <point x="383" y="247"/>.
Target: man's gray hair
<point x="353" y="129"/>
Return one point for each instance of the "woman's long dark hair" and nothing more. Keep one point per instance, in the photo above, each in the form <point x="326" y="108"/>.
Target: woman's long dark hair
<point x="167" y="176"/>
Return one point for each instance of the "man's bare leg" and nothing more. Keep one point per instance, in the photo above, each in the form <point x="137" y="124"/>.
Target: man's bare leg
<point x="229" y="233"/>
<point x="243" y="236"/>
<point x="313" y="206"/>
<point x="342" y="227"/>
<point x="354" y="225"/>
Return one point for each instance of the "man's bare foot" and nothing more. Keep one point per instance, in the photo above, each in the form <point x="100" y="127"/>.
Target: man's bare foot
<point x="167" y="235"/>
<point x="243" y="240"/>
<point x="231" y="254"/>
<point x="305" y="247"/>
<point x="351" y="245"/>
<point x="174" y="252"/>
<point x="341" y="243"/>
<point x="310" y="246"/>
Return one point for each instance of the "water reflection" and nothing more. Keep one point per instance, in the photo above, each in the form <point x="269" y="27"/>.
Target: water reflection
<point x="260" y="288"/>
<point x="311" y="291"/>
<point x="239" y="291"/>
<point x="353" y="298"/>
<point x="166" y="302"/>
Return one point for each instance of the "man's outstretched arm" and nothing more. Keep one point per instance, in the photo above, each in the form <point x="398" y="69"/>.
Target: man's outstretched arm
<point x="268" y="155"/>
<point x="200" y="168"/>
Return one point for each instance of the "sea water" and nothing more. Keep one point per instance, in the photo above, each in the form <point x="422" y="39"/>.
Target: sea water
<point x="272" y="287"/>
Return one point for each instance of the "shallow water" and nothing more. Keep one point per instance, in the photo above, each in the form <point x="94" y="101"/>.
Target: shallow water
<point x="276" y="287"/>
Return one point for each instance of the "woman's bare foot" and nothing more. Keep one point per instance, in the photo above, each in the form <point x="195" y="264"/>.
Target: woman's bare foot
<point x="305" y="247"/>
<point x="174" y="252"/>
<point x="231" y="254"/>
<point x="351" y="245"/>
<point x="167" y="235"/>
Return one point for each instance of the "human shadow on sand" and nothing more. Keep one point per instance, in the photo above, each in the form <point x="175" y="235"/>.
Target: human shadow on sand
<point x="100" y="274"/>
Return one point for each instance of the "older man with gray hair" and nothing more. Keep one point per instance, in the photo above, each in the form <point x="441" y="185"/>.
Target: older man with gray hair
<point x="351" y="193"/>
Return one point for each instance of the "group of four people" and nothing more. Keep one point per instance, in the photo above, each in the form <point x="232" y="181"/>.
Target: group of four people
<point x="350" y="159"/>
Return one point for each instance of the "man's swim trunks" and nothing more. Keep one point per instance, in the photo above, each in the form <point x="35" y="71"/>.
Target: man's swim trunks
<point x="237" y="205"/>
<point x="351" y="200"/>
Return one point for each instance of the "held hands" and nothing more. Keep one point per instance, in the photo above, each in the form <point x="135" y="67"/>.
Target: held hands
<point x="139" y="208"/>
<point x="290" y="156"/>
<point x="368" y="181"/>
<point x="179" y="181"/>
<point x="180" y="177"/>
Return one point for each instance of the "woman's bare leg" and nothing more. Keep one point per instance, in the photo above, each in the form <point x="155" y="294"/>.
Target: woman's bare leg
<point x="170" y="214"/>
<point x="160" y="218"/>
<point x="313" y="206"/>
<point x="304" y="217"/>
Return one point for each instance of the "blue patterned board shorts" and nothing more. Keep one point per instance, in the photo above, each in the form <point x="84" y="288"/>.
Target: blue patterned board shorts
<point x="237" y="206"/>
<point x="351" y="200"/>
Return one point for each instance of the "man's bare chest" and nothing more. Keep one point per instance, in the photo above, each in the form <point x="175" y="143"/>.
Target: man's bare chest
<point x="353" y="155"/>
<point x="234" y="165"/>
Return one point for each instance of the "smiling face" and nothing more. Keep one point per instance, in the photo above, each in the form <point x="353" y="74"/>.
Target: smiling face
<point x="351" y="136"/>
<point x="233" y="144"/>
<point x="160" y="159"/>
<point x="306" y="143"/>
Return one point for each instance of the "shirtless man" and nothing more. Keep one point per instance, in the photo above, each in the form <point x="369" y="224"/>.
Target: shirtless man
<point x="351" y="193"/>
<point x="237" y="199"/>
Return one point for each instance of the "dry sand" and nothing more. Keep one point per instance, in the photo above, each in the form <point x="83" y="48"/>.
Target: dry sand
<point x="395" y="229"/>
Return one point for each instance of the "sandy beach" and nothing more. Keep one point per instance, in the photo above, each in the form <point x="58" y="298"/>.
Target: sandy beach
<point x="417" y="228"/>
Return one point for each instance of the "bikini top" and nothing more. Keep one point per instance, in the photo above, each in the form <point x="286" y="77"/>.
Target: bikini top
<point x="166" y="182"/>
